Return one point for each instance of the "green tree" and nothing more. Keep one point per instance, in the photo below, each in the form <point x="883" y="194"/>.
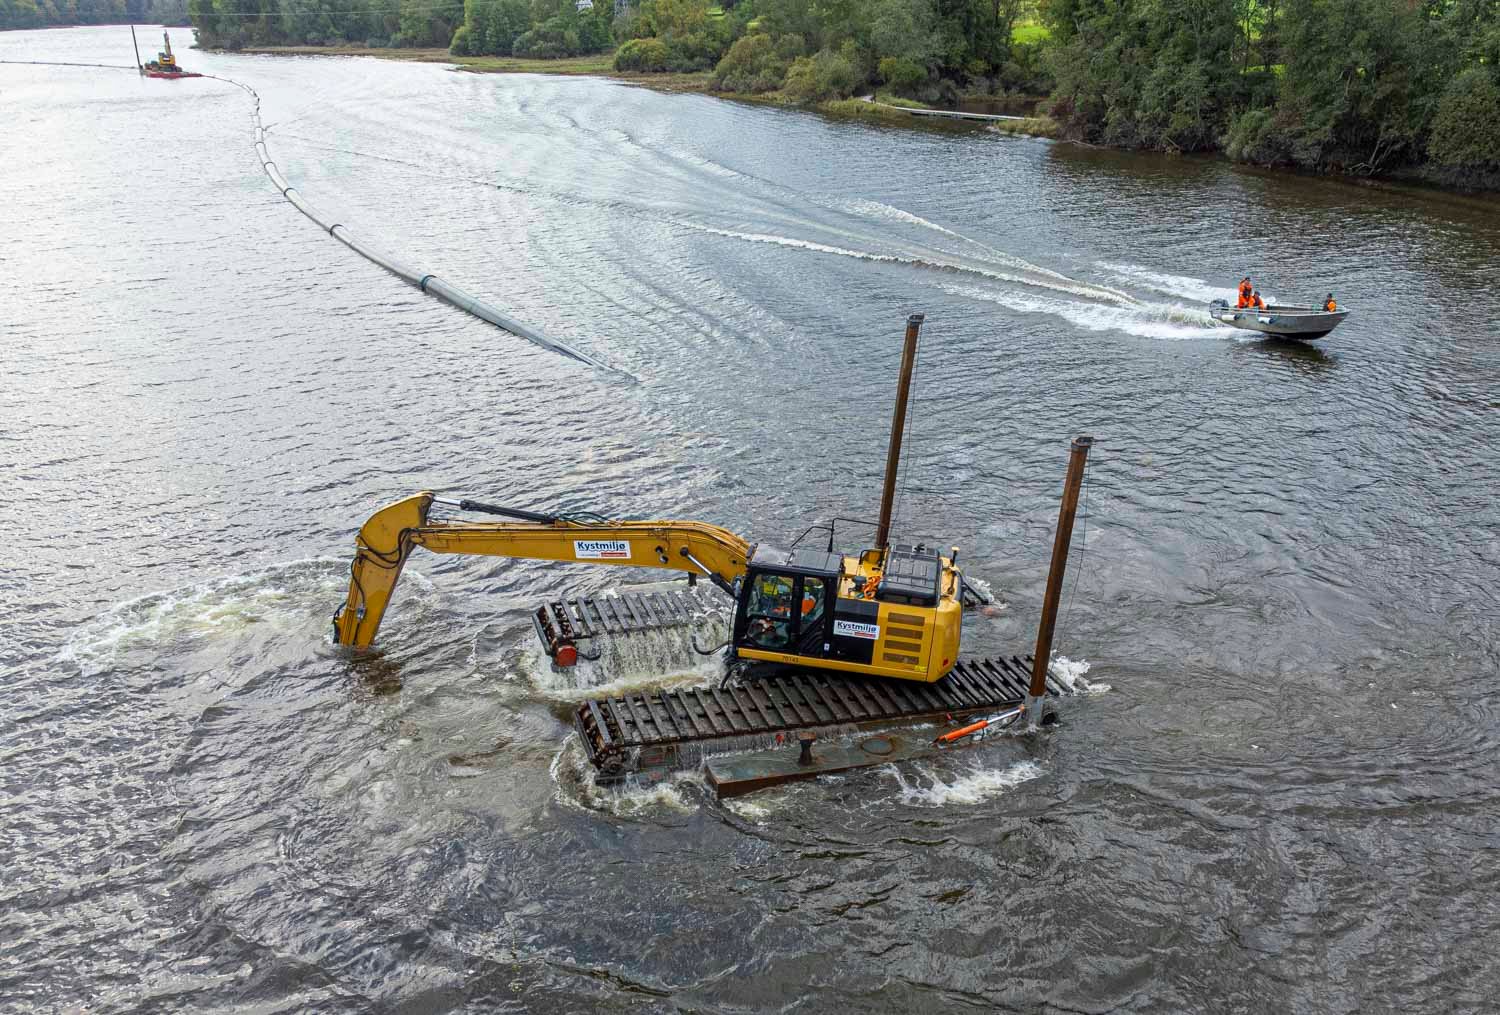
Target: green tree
<point x="1466" y="129"/>
<point x="905" y="29"/>
<point x="429" y="22"/>
<point x="1362" y="82"/>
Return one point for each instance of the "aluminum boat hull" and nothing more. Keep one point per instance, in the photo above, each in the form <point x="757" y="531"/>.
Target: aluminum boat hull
<point x="1280" y="320"/>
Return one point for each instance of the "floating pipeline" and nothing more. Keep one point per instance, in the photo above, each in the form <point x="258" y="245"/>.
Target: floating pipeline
<point x="423" y="280"/>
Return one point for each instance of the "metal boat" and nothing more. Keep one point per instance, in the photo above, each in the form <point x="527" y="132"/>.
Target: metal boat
<point x="1280" y="320"/>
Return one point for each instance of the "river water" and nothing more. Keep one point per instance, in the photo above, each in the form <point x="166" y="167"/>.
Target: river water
<point x="1282" y="796"/>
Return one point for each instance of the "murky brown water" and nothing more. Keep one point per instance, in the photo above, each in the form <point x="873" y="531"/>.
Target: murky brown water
<point x="1286" y="802"/>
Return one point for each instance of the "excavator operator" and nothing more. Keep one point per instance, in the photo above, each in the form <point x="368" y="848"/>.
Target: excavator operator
<point x="770" y="612"/>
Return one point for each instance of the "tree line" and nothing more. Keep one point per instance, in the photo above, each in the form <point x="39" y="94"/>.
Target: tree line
<point x="236" y="24"/>
<point x="47" y="13"/>
<point x="1354" y="86"/>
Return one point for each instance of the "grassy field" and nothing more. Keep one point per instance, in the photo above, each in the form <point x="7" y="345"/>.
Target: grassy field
<point x="1032" y="126"/>
<point x="898" y="100"/>
<point x="857" y="109"/>
<point x="1028" y="33"/>
<point x="593" y="63"/>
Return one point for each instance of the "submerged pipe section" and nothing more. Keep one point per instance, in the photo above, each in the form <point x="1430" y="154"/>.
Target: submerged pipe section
<point x="425" y="281"/>
<point x="1042" y="657"/>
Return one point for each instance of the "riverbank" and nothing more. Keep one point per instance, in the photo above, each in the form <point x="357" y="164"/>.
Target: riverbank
<point x="592" y="65"/>
<point x="888" y="110"/>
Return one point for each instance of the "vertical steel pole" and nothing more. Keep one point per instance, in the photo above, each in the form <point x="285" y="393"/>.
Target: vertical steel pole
<point x="898" y="426"/>
<point x="1042" y="657"/>
<point x="139" y="69"/>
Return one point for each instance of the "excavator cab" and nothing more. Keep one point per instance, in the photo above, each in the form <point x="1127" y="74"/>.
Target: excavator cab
<point x="164" y="59"/>
<point x="895" y="612"/>
<point x="783" y="603"/>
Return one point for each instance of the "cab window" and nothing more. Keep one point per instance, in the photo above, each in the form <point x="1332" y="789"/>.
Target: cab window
<point x="814" y="598"/>
<point x="770" y="612"/>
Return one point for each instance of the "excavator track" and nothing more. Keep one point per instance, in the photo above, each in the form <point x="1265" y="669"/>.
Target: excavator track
<point x="638" y="732"/>
<point x="563" y="621"/>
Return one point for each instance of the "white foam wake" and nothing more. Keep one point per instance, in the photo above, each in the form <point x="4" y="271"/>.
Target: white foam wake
<point x="1151" y="320"/>
<point x="578" y="788"/>
<point x="880" y="210"/>
<point x="1184" y="286"/>
<point x="1070" y="674"/>
<point x="282" y="599"/>
<point x="1069" y="286"/>
<point x="921" y="786"/>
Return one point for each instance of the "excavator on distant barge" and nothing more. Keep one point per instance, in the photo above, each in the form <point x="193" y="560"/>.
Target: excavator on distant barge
<point x="165" y="65"/>
<point x="819" y="641"/>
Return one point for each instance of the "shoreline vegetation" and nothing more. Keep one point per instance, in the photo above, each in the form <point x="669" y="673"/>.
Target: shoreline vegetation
<point x="19" y="14"/>
<point x="883" y="108"/>
<point x="1364" y="89"/>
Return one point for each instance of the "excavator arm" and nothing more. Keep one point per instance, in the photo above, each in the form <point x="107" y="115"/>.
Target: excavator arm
<point x="388" y="537"/>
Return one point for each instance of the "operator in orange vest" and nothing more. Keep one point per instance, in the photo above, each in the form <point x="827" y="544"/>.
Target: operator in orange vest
<point x="1256" y="301"/>
<point x="1330" y="305"/>
<point x="1245" y="290"/>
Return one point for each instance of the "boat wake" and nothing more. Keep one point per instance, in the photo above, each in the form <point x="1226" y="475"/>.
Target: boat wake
<point x="1182" y="286"/>
<point x="1172" y="322"/>
<point x="1065" y="284"/>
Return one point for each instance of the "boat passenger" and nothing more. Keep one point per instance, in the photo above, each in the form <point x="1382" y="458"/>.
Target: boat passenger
<point x="1256" y="302"/>
<point x="1329" y="305"/>
<point x="1245" y="290"/>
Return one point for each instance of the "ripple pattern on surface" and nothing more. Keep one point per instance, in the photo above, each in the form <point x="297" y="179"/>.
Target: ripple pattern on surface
<point x="1285" y="802"/>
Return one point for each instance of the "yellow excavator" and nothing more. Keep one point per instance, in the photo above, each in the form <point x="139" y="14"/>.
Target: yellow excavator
<point x="886" y="611"/>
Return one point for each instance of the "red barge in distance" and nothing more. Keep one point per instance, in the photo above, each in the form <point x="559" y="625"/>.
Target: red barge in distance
<point x="165" y="65"/>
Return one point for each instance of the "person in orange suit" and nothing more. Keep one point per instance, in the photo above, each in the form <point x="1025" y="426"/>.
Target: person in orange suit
<point x="1245" y="290"/>
<point x="1329" y="305"/>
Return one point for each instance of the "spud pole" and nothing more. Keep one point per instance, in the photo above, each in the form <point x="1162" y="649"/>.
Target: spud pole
<point x="898" y="424"/>
<point x="1041" y="659"/>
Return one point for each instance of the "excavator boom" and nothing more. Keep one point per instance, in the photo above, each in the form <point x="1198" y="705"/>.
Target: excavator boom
<point x="388" y="537"/>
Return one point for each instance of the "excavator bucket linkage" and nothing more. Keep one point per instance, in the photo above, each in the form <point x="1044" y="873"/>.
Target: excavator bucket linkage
<point x="662" y="730"/>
